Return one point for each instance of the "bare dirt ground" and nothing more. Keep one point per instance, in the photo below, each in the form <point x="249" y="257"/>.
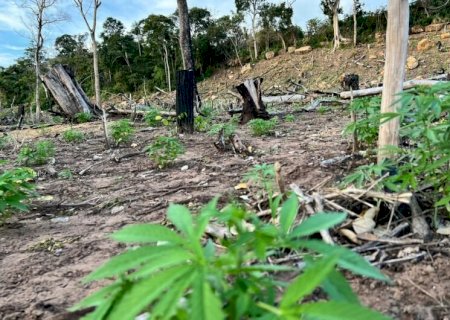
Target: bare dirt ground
<point x="45" y="253"/>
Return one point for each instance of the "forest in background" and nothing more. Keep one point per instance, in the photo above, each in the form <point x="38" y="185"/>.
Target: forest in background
<point x="146" y="57"/>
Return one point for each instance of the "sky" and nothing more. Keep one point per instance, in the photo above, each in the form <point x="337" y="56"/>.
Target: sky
<point x="15" y="31"/>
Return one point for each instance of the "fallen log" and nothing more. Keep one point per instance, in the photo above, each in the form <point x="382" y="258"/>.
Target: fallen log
<point x="66" y="91"/>
<point x="288" y="98"/>
<point x="378" y="90"/>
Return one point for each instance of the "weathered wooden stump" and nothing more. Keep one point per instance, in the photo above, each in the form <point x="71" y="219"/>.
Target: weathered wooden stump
<point x="185" y="101"/>
<point x="66" y="91"/>
<point x="253" y="106"/>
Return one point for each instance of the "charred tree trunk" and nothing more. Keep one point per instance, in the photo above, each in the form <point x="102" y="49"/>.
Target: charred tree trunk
<point x="66" y="91"/>
<point x="253" y="106"/>
<point x="185" y="101"/>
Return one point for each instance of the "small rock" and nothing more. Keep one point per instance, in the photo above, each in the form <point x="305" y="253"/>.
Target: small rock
<point x="303" y="50"/>
<point x="417" y="29"/>
<point x="445" y="35"/>
<point x="270" y="55"/>
<point x="291" y="49"/>
<point x="424" y="45"/>
<point x="412" y="63"/>
<point x="435" y="27"/>
<point x="248" y="67"/>
<point x="372" y="57"/>
<point x="97" y="157"/>
<point x="117" y="209"/>
<point x="184" y="168"/>
<point x="60" y="220"/>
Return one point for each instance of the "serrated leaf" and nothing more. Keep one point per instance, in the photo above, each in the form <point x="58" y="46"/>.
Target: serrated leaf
<point x="144" y="292"/>
<point x="205" y="304"/>
<point x="147" y="233"/>
<point x="317" y="223"/>
<point x="181" y="217"/>
<point x="98" y="297"/>
<point x="132" y="259"/>
<point x="168" y="259"/>
<point x="338" y="288"/>
<point x="339" y="311"/>
<point x="308" y="281"/>
<point x="347" y="259"/>
<point x="288" y="213"/>
<point x="168" y="304"/>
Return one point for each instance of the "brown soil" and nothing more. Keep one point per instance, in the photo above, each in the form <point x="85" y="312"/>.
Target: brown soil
<point x="46" y="252"/>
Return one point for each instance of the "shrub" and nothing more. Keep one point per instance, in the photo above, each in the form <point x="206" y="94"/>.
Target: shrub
<point x="424" y="156"/>
<point x="5" y="142"/>
<point x="175" y="274"/>
<point x="202" y="124"/>
<point x="228" y="129"/>
<point x="83" y="117"/>
<point x="122" y="131"/>
<point x="260" y="127"/>
<point x="290" y="118"/>
<point x="36" y="154"/>
<point x="73" y="136"/>
<point x="164" y="151"/>
<point x="15" y="187"/>
<point x="65" y="174"/>
<point x="154" y="118"/>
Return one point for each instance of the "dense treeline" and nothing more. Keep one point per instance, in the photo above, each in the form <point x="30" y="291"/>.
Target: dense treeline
<point x="147" y="56"/>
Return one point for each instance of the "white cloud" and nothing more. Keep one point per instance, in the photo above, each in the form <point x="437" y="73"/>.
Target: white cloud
<point x="7" y="59"/>
<point x="11" y="17"/>
<point x="13" y="47"/>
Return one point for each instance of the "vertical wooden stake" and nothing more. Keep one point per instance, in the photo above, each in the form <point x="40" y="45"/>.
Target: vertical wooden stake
<point x="394" y="72"/>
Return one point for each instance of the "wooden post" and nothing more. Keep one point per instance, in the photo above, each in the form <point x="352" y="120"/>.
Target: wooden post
<point x="185" y="101"/>
<point x="394" y="72"/>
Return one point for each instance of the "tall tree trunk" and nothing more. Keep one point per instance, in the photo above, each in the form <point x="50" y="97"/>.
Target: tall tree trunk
<point x="337" y="35"/>
<point x="37" y="82"/>
<point x="283" y="42"/>
<point x="355" y="23"/>
<point x="185" y="36"/>
<point x="255" y="44"/>
<point x="167" y="67"/>
<point x="236" y="51"/>
<point x="394" y="72"/>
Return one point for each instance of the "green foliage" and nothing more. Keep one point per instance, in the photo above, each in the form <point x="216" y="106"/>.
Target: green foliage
<point x="260" y="127"/>
<point x="175" y="274"/>
<point x="164" y="150"/>
<point x="5" y="142"/>
<point x="36" y="154"/>
<point x="368" y="116"/>
<point x="323" y="109"/>
<point x="65" y="174"/>
<point x="289" y="118"/>
<point x="122" y="131"/>
<point x="73" y="136"/>
<point x="424" y="157"/>
<point x="83" y="117"/>
<point x="263" y="177"/>
<point x="202" y="124"/>
<point x="228" y="129"/>
<point x="15" y="187"/>
<point x="153" y="118"/>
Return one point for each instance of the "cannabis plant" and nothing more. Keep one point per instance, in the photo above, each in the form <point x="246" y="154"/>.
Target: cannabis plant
<point x="181" y="273"/>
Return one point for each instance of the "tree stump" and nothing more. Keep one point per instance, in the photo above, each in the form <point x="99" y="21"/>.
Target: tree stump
<point x="253" y="106"/>
<point x="66" y="91"/>
<point x="185" y="101"/>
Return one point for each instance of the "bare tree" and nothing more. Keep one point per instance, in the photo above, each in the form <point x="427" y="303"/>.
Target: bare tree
<point x="253" y="7"/>
<point x="332" y="9"/>
<point x="85" y="9"/>
<point x="356" y="9"/>
<point x="185" y="35"/>
<point x="394" y="72"/>
<point x="38" y="18"/>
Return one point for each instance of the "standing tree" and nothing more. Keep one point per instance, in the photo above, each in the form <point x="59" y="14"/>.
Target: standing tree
<point x="186" y="88"/>
<point x="253" y="7"/>
<point x="84" y="11"/>
<point x="332" y="9"/>
<point x="277" y="17"/>
<point x="356" y="9"/>
<point x="394" y="72"/>
<point x="38" y="19"/>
